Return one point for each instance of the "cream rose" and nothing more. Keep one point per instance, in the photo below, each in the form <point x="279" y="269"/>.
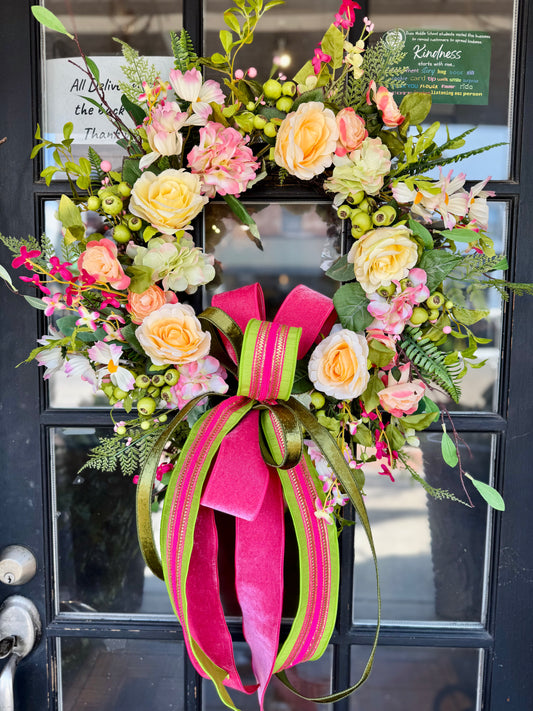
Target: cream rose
<point x="306" y="140"/>
<point x="141" y="305"/>
<point x="338" y="365"/>
<point x="173" y="334"/>
<point x="168" y="201"/>
<point x="383" y="255"/>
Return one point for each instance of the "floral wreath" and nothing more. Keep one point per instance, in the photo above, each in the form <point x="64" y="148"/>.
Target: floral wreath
<point x="310" y="399"/>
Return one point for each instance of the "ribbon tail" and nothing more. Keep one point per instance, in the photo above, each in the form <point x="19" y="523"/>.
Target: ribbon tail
<point x="259" y="548"/>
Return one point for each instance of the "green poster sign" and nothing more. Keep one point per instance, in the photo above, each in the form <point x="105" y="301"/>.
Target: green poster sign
<point x="453" y="66"/>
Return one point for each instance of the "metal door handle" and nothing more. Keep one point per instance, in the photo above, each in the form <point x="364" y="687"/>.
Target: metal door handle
<point x="20" y="629"/>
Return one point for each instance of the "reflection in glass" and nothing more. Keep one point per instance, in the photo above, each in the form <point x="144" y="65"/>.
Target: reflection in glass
<point x="297" y="239"/>
<point x="479" y="387"/>
<point x="121" y="675"/>
<point x="99" y="562"/>
<point x="417" y="679"/>
<point x="431" y="553"/>
<point x="311" y="679"/>
<point x="143" y="25"/>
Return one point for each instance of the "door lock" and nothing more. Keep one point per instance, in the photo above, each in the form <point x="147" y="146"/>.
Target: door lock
<point x="17" y="565"/>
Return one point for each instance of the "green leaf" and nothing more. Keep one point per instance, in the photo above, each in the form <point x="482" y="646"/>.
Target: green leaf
<point x="94" y="103"/>
<point x="503" y="264"/>
<point x="363" y="436"/>
<point x="392" y="142"/>
<point x="415" y="107"/>
<point x="141" y="278"/>
<point x="36" y="303"/>
<point x="341" y="269"/>
<point x="129" y="334"/>
<point x="301" y="384"/>
<point x="244" y="216"/>
<point x="395" y="437"/>
<point x="370" y="397"/>
<point x="48" y="19"/>
<point x="438" y="264"/>
<point x="379" y="354"/>
<point x="351" y="305"/>
<point x="420" y="422"/>
<point x="306" y="71"/>
<point x="218" y="58"/>
<point x="4" y="274"/>
<point x="423" y="234"/>
<point x="226" y="40"/>
<point x="134" y="110"/>
<point x="314" y="95"/>
<point x="273" y="3"/>
<point x="130" y="170"/>
<point x="332" y="44"/>
<point x="93" y="68"/>
<point x="69" y="215"/>
<point x="449" y="452"/>
<point x="460" y="234"/>
<point x="429" y="405"/>
<point x="491" y="496"/>
<point x="469" y="316"/>
<point x="67" y="324"/>
<point x="232" y="22"/>
<point x="67" y="130"/>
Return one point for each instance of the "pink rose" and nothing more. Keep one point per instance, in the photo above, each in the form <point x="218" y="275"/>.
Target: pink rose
<point x="384" y="100"/>
<point x="352" y="131"/>
<point x="140" y="305"/>
<point x="223" y="161"/>
<point x="401" y="397"/>
<point x="100" y="261"/>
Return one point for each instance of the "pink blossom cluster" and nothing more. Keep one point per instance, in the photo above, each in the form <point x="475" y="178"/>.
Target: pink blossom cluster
<point x="202" y="376"/>
<point x="223" y="161"/>
<point x="334" y="497"/>
<point x="391" y="315"/>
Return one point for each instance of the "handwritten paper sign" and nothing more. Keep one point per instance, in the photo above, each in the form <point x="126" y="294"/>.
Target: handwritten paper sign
<point x="453" y="66"/>
<point x="66" y="87"/>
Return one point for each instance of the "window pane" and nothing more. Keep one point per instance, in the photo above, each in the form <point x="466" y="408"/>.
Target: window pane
<point x="421" y="679"/>
<point x="431" y="553"/>
<point x="143" y="25"/>
<point x="311" y="679"/>
<point x="99" y="562"/>
<point x="120" y="675"/>
<point x="494" y="19"/>
<point x="297" y="239"/>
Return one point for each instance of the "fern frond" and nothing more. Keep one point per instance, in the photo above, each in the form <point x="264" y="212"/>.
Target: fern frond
<point x="15" y="243"/>
<point x="137" y="70"/>
<point x="183" y="50"/>
<point x="115" y="452"/>
<point x="380" y="64"/>
<point x="95" y="160"/>
<point x="430" y="362"/>
<point x="47" y="247"/>
<point x="435" y="160"/>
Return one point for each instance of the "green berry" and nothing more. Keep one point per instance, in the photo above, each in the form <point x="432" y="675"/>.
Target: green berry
<point x="107" y="389"/>
<point x="166" y="393"/>
<point x="387" y="291"/>
<point x="121" y="430"/>
<point x="158" y="380"/>
<point x="172" y="376"/>
<point x="384" y="216"/>
<point x="153" y="391"/>
<point x="260" y="122"/>
<point x="142" y="381"/>
<point x="112" y="205"/>
<point x="284" y="103"/>
<point x="145" y="425"/>
<point x="449" y="305"/>
<point x="365" y="205"/>
<point x="344" y="212"/>
<point x="121" y="234"/>
<point x="119" y="393"/>
<point x="360" y="220"/>
<point x="124" y="189"/>
<point x="163" y="418"/>
<point x="250" y="106"/>
<point x="93" y="203"/>
<point x="134" y="223"/>
<point x="270" y="130"/>
<point x="146" y="406"/>
<point x="272" y="89"/>
<point x="318" y="400"/>
<point x="434" y="314"/>
<point x="419" y="316"/>
<point x="356" y="198"/>
<point x="435" y="300"/>
<point x="288" y="88"/>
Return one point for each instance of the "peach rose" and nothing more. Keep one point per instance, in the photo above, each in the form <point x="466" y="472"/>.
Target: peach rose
<point x="140" y="305"/>
<point x="173" y="334"/>
<point x="338" y="365"/>
<point x="401" y="397"/>
<point x="382" y="256"/>
<point x="100" y="261"/>
<point x="384" y="100"/>
<point x="352" y="131"/>
<point x="168" y="201"/>
<point x="306" y="140"/>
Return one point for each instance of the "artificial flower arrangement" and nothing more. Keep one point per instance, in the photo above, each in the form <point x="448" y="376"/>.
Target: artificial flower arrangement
<point x="308" y="400"/>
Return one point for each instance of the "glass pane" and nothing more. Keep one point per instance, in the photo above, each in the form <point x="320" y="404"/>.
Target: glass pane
<point x="143" y="25"/>
<point x="121" y="675"/>
<point x="311" y="679"/>
<point x="289" y="32"/>
<point x="99" y="562"/>
<point x="479" y="387"/>
<point x="297" y="240"/>
<point x="423" y="678"/>
<point x="493" y="118"/>
<point x="431" y="553"/>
